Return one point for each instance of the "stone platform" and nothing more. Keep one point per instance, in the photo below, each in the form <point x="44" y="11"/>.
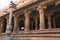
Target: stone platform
<point x="51" y="34"/>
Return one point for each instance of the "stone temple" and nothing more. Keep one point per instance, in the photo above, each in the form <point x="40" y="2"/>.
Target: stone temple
<point x="39" y="19"/>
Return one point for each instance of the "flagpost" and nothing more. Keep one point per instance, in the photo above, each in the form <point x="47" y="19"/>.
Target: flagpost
<point x="9" y="29"/>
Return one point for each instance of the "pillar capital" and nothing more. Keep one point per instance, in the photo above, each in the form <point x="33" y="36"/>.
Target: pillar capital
<point x="15" y="15"/>
<point x="49" y="13"/>
<point x="26" y="11"/>
<point x="7" y="17"/>
<point x="57" y="2"/>
<point x="41" y="7"/>
<point x="2" y="20"/>
<point x="7" y="20"/>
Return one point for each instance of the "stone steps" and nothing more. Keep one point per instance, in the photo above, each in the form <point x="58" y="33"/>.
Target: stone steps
<point x="42" y="35"/>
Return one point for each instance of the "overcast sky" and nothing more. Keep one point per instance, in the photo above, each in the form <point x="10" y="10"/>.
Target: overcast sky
<point x="4" y="3"/>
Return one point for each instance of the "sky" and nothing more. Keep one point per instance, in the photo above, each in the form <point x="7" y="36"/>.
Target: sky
<point x="4" y="3"/>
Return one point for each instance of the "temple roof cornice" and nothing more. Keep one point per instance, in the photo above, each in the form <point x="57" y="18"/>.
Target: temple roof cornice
<point x="21" y="4"/>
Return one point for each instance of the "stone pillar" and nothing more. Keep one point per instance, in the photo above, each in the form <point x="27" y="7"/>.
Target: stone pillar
<point x="2" y="25"/>
<point x="15" y="23"/>
<point x="49" y="22"/>
<point x="32" y="22"/>
<point x="26" y="20"/>
<point x="41" y="13"/>
<point x="7" y="21"/>
<point x="54" y="24"/>
<point x="36" y="23"/>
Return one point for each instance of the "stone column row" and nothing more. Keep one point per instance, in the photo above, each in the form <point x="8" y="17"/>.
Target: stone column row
<point x="42" y="22"/>
<point x="26" y="13"/>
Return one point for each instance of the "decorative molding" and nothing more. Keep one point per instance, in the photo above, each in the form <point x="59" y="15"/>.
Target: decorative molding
<point x="41" y="7"/>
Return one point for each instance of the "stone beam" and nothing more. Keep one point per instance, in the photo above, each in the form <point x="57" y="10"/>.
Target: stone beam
<point x="46" y="2"/>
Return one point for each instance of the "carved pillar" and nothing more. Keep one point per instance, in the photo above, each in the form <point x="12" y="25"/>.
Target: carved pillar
<point x="26" y="20"/>
<point x="54" y="24"/>
<point x="15" y="23"/>
<point x="7" y="28"/>
<point x="36" y="23"/>
<point x="41" y="13"/>
<point x="49" y="22"/>
<point x="2" y="25"/>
